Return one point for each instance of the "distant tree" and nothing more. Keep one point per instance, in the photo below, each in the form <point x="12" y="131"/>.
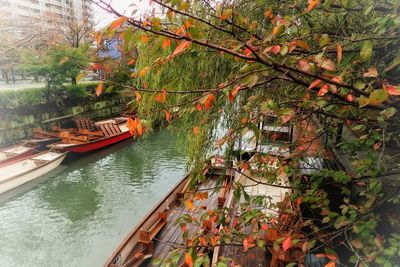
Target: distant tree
<point x="57" y="64"/>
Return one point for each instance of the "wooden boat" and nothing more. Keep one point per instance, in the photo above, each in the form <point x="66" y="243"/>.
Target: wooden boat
<point x="140" y="244"/>
<point x="16" y="152"/>
<point x="21" y="171"/>
<point x="92" y="136"/>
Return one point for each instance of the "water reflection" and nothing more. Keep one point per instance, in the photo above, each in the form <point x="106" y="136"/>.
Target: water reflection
<point x="77" y="216"/>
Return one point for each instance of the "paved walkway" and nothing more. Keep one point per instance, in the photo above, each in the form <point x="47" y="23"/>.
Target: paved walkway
<point x="20" y="85"/>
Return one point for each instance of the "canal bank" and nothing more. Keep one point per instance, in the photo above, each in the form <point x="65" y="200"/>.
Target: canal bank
<point x="78" y="214"/>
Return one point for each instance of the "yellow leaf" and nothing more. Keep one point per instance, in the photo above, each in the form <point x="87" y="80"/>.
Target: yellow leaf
<point x="65" y="59"/>
<point x="80" y="77"/>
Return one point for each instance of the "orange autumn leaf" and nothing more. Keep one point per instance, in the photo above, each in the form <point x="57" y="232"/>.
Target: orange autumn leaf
<point x="144" y="39"/>
<point x="131" y="62"/>
<point x="330" y="264"/>
<point x="139" y="127"/>
<point x="314" y="84"/>
<point x="188" y="260"/>
<point x="268" y="14"/>
<point x="162" y="97"/>
<point x="214" y="240"/>
<point x="168" y="116"/>
<point x="209" y="102"/>
<point x="138" y="97"/>
<point x="99" y="89"/>
<point x="99" y="38"/>
<point x="203" y="241"/>
<point x="131" y="124"/>
<point x="303" y="44"/>
<point x="275" y="49"/>
<point x="116" y="23"/>
<point x="339" y="52"/>
<point x="244" y="120"/>
<point x="166" y="43"/>
<point x="287" y="243"/>
<point x="312" y="4"/>
<point x="349" y="98"/>
<point x="264" y="227"/>
<point x="181" y="47"/>
<point x="144" y="71"/>
<point x="189" y="204"/>
<point x="196" y="129"/>
<point x="323" y="90"/>
<point x="275" y="30"/>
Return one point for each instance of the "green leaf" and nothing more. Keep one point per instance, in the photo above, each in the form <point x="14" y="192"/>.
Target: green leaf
<point x="252" y="80"/>
<point x="366" y="50"/>
<point x="324" y="40"/>
<point x="377" y="97"/>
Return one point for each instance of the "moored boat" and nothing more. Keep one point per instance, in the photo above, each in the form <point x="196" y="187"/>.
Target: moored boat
<point x="150" y="238"/>
<point x="16" y="152"/>
<point x="21" y="171"/>
<point x="93" y="136"/>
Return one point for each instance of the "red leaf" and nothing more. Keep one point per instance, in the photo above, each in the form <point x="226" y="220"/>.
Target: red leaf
<point x="349" y="98"/>
<point x="275" y="49"/>
<point x="166" y="43"/>
<point x="314" y="84"/>
<point x="188" y="260"/>
<point x="168" y="116"/>
<point x="196" y="129"/>
<point x="99" y="89"/>
<point x="392" y="90"/>
<point x="233" y="93"/>
<point x="131" y="62"/>
<point x="268" y="14"/>
<point x="299" y="200"/>
<point x="264" y="227"/>
<point x="198" y="107"/>
<point x="323" y="90"/>
<point x="287" y="243"/>
<point x="181" y="47"/>
<point x="247" y="52"/>
<point x="209" y="102"/>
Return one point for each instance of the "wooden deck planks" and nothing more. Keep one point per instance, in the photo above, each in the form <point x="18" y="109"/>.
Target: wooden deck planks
<point x="172" y="234"/>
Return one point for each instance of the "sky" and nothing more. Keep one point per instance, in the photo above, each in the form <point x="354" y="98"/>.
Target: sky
<point x="102" y="18"/>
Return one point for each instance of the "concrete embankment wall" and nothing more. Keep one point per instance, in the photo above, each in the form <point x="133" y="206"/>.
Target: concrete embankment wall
<point x="17" y="121"/>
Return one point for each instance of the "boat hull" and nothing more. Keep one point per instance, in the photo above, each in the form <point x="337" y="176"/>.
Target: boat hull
<point x="29" y="176"/>
<point x="98" y="144"/>
<point x="17" y="157"/>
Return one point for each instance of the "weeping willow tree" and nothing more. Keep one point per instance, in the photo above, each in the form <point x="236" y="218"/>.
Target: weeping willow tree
<point x="205" y="66"/>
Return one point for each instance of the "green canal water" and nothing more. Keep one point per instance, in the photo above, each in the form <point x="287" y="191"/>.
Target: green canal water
<point x="79" y="213"/>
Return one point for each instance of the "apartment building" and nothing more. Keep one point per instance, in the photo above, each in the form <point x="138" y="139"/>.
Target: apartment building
<point x="36" y="10"/>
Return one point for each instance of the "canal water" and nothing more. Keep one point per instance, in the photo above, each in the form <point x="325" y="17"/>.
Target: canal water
<point x="79" y="213"/>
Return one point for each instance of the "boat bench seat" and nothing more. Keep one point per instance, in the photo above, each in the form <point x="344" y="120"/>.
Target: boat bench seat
<point x="146" y="236"/>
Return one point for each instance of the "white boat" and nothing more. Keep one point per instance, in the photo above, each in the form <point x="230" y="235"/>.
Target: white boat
<point x="21" y="171"/>
<point x="15" y="152"/>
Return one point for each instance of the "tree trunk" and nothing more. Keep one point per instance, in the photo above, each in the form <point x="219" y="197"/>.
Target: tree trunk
<point x="73" y="80"/>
